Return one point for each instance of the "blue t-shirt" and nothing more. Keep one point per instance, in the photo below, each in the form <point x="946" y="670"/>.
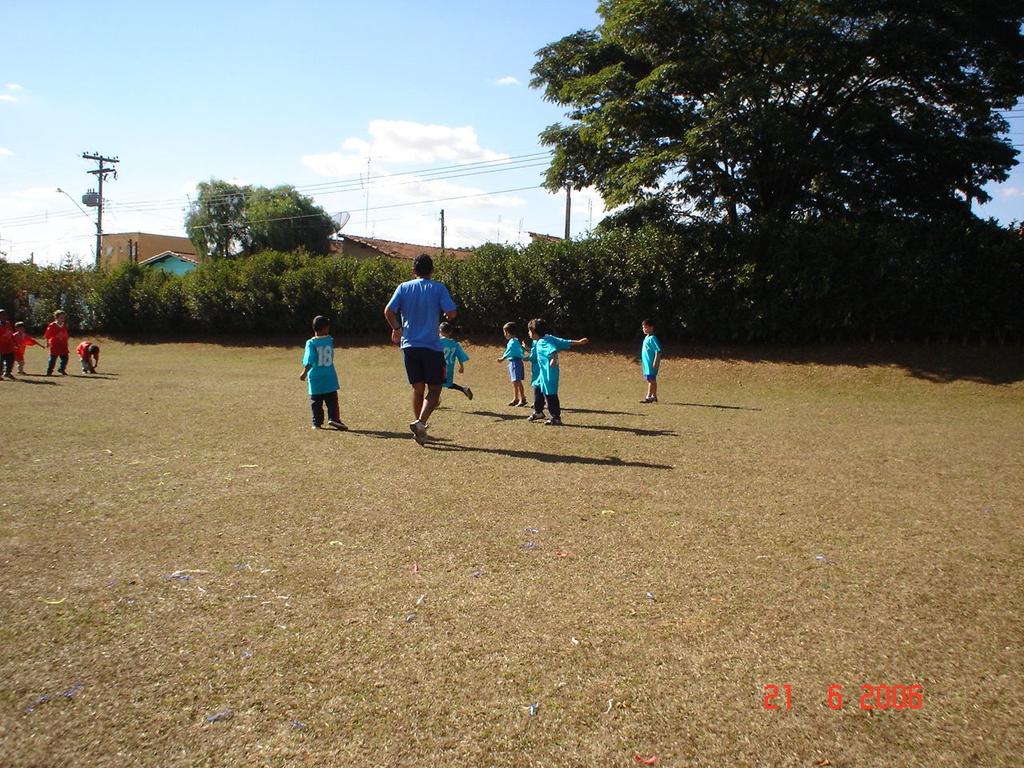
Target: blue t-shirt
<point x="319" y="355"/>
<point x="650" y="348"/>
<point x="453" y="352"/>
<point x="420" y="303"/>
<point x="513" y="350"/>
<point x="545" y="375"/>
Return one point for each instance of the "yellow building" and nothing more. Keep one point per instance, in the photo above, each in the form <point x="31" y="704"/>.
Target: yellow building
<point x="124" y="247"/>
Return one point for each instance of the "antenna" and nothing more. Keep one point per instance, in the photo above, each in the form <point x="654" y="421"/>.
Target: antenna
<point x="340" y="219"/>
<point x="366" y="203"/>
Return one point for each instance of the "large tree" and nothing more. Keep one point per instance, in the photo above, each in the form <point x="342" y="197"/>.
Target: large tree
<point x="228" y="220"/>
<point x="777" y="109"/>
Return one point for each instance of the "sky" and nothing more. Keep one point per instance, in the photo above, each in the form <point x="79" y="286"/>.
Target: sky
<point x="390" y="111"/>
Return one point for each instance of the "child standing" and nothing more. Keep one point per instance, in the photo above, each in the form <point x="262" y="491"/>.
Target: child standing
<point x="7" y="346"/>
<point x="453" y="353"/>
<point x="319" y="373"/>
<point x="544" y="357"/>
<point x="21" y="341"/>
<point x="650" y="357"/>
<point x="89" y="355"/>
<point x="56" y="336"/>
<point x="514" y="355"/>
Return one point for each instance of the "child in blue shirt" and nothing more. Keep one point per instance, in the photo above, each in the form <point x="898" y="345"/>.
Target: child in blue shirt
<point x="514" y="355"/>
<point x="544" y="357"/>
<point x="319" y="373"/>
<point x="453" y="353"/>
<point x="650" y="358"/>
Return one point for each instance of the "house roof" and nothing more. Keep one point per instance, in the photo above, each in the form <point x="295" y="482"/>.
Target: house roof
<point x="190" y="258"/>
<point x="407" y="251"/>
<point x="546" y="238"/>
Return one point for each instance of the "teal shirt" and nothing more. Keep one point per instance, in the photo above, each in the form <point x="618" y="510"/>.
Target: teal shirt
<point x="513" y="350"/>
<point x="650" y="348"/>
<point x="319" y="355"/>
<point x="545" y="375"/>
<point x="453" y="352"/>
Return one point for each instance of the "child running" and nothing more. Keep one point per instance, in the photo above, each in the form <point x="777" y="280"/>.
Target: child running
<point x="544" y="356"/>
<point x="22" y="340"/>
<point x="453" y="353"/>
<point x="56" y="335"/>
<point x="514" y="355"/>
<point x="89" y="355"/>
<point x="7" y="347"/>
<point x="319" y="373"/>
<point x="650" y="357"/>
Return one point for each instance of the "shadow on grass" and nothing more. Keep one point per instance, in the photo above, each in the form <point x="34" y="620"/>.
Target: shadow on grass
<point x="594" y="410"/>
<point x="503" y="416"/>
<point x="382" y="434"/>
<point x="294" y="340"/>
<point x="603" y="427"/>
<point x="24" y="379"/>
<point x="444" y="444"/>
<point x="714" y="405"/>
<point x="629" y="430"/>
<point x="521" y="415"/>
<point x="548" y="458"/>
<point x="937" y="363"/>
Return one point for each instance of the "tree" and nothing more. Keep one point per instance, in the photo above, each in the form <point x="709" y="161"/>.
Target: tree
<point x="227" y="220"/>
<point x="773" y="110"/>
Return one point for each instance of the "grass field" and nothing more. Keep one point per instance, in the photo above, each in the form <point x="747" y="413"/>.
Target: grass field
<point x="191" y="576"/>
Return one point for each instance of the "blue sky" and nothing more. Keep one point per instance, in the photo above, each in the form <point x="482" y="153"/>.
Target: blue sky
<point x="299" y="93"/>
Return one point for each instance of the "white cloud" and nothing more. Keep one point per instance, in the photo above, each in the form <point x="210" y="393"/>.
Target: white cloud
<point x="14" y="87"/>
<point x="1013" y="192"/>
<point x="5" y="152"/>
<point x="7" y="97"/>
<point x="402" y="142"/>
<point x="507" y="80"/>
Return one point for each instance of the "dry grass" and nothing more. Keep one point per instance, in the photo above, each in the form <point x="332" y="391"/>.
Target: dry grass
<point x="355" y="599"/>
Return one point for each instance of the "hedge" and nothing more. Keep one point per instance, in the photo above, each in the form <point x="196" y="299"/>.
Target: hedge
<point x="819" y="281"/>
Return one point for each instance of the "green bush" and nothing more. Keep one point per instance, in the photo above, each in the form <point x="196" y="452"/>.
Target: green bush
<point x="810" y="281"/>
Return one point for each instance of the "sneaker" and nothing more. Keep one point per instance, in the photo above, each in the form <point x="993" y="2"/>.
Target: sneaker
<point x="419" y="431"/>
<point x="9" y="377"/>
<point x="340" y="426"/>
<point x="468" y="392"/>
<point x="647" y="400"/>
<point x="553" y="422"/>
<point x="316" y="426"/>
<point x="515" y="403"/>
<point x="522" y="404"/>
<point x="535" y="417"/>
<point x="63" y="373"/>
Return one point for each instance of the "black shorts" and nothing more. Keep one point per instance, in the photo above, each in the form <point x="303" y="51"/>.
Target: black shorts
<point x="424" y="366"/>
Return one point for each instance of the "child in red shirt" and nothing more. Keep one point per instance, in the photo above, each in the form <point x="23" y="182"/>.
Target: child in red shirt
<point x="56" y="336"/>
<point x="6" y="346"/>
<point x="21" y="341"/>
<point x="89" y="354"/>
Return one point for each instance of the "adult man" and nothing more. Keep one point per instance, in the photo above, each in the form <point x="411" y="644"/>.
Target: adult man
<point x="421" y="302"/>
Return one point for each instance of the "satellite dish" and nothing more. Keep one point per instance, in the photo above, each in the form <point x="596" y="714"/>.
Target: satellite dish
<point x="341" y="219"/>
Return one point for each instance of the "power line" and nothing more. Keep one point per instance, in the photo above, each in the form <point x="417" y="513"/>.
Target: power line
<point x="358" y="182"/>
<point x="501" y="165"/>
<point x="372" y="208"/>
<point x="386" y="207"/>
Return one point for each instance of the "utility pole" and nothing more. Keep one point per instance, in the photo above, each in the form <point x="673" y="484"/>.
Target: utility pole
<point x="442" y="230"/>
<point x="100" y="173"/>
<point x="568" y="208"/>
